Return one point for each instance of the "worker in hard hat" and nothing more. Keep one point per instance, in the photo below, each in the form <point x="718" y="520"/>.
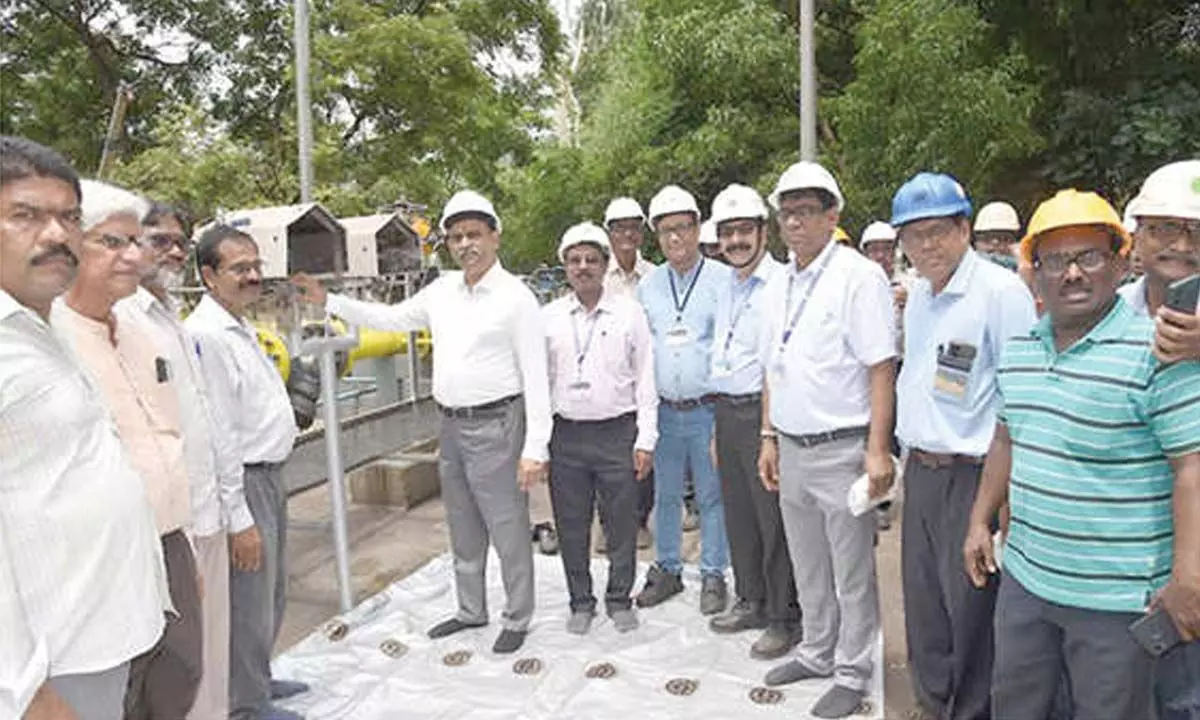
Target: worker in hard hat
<point x="626" y="224"/>
<point x="960" y="313"/>
<point x="1095" y="439"/>
<point x="605" y="406"/>
<point x="680" y="299"/>
<point x="996" y="232"/>
<point x="710" y="246"/>
<point x="490" y="383"/>
<point x="762" y="568"/>
<point x="828" y="402"/>
<point x="841" y="236"/>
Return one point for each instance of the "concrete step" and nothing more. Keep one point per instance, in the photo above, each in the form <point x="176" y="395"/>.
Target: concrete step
<point x="401" y="480"/>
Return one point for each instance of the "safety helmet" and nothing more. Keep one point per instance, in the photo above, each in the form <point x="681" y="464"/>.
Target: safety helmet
<point x="929" y="195"/>
<point x="468" y="201"/>
<point x="708" y="233"/>
<point x="840" y="235"/>
<point x="1171" y="191"/>
<point x="877" y="230"/>
<point x="737" y="202"/>
<point x="670" y="200"/>
<point x="623" y="208"/>
<point x="1069" y="208"/>
<point x="806" y="175"/>
<point x="582" y="234"/>
<point x="997" y="216"/>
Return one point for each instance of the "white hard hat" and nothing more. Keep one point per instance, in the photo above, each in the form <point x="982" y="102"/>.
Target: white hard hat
<point x="670" y="200"/>
<point x="877" y="230"/>
<point x="737" y="202"/>
<point x="468" y="201"/>
<point x="623" y="208"/>
<point x="806" y="175"/>
<point x="708" y="233"/>
<point x="1171" y="191"/>
<point x="997" y="216"/>
<point x="582" y="234"/>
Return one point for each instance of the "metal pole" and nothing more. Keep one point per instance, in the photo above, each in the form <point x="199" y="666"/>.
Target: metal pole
<point x="808" y="82"/>
<point x="414" y="365"/>
<point x="325" y="348"/>
<point x="303" y="102"/>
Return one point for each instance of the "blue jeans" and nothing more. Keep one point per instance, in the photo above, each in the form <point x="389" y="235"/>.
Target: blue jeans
<point x="683" y="443"/>
<point x="1177" y="683"/>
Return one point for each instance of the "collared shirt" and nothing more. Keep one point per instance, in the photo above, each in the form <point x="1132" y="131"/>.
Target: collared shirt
<point x="819" y="381"/>
<point x="214" y="466"/>
<point x="981" y="307"/>
<point x="136" y="383"/>
<point x="488" y="343"/>
<point x="245" y="388"/>
<point x="602" y="363"/>
<point x="736" y="361"/>
<point x="1134" y="294"/>
<point x="682" y="324"/>
<point x="80" y="530"/>
<point x="1092" y="429"/>
<point x="24" y="660"/>
<point x="619" y="282"/>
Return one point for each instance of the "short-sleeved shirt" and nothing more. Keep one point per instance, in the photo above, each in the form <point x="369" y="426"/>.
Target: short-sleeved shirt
<point x="1091" y="486"/>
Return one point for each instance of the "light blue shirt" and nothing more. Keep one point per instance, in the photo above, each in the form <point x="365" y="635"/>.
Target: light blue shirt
<point x="982" y="306"/>
<point x="683" y="330"/>
<point x="736" y="360"/>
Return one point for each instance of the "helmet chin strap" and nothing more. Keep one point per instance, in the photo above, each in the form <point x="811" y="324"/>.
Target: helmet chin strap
<point x="758" y="242"/>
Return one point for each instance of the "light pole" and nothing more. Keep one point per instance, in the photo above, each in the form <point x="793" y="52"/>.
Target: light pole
<point x="303" y="102"/>
<point x="808" y="82"/>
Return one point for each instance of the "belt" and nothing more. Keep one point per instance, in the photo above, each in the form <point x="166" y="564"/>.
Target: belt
<point x="937" y="461"/>
<point x="814" y="439"/>
<point x="474" y="410"/>
<point x="624" y="417"/>
<point x="264" y="465"/>
<point x="738" y="400"/>
<point x="690" y="403"/>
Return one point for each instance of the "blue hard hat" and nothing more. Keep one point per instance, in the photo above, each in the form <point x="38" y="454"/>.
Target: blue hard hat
<point x="929" y="195"/>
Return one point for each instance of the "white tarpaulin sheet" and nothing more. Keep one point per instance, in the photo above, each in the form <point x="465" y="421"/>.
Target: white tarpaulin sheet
<point x="353" y="678"/>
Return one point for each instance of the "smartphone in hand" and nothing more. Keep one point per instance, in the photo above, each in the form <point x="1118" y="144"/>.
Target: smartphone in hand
<point x="1156" y="632"/>
<point x="1184" y="295"/>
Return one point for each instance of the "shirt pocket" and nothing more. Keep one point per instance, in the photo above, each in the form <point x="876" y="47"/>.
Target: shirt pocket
<point x="959" y="359"/>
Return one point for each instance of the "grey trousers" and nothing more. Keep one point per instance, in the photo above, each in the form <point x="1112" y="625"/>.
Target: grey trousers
<point x="591" y="464"/>
<point x="95" y="696"/>
<point x="833" y="558"/>
<point x="478" y="464"/>
<point x="947" y="620"/>
<point x="163" y="681"/>
<point x="1110" y="675"/>
<point x="257" y="599"/>
<point x="762" y="568"/>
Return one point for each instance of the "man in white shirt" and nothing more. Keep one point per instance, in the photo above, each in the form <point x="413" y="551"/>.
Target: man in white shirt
<point x="88" y="581"/>
<point x="489" y="377"/>
<point x="246" y="390"/>
<point x="605" y="424"/>
<point x="829" y="347"/>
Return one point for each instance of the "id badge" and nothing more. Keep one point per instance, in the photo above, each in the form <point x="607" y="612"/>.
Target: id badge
<point x="952" y="379"/>
<point x="678" y="336"/>
<point x="778" y="368"/>
<point x="722" y="368"/>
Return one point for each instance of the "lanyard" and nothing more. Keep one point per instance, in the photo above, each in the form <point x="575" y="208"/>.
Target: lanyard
<point x="787" y="332"/>
<point x="687" y="295"/>
<point x="735" y="313"/>
<point x="581" y="351"/>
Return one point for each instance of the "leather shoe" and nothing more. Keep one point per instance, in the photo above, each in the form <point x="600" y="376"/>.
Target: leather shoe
<point x="745" y="615"/>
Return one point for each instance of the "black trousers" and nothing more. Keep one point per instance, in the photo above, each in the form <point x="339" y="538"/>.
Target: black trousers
<point x="948" y="620"/>
<point x="591" y="466"/>
<point x="762" y="568"/>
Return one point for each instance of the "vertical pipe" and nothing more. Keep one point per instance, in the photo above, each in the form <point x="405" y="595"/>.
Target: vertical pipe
<point x="303" y="102"/>
<point x="337" y="478"/>
<point x="808" y="82"/>
<point x="414" y="367"/>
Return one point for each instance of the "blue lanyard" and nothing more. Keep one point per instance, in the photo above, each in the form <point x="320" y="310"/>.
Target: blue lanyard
<point x="787" y="332"/>
<point x="581" y="351"/>
<point x="735" y="312"/>
<point x="687" y="295"/>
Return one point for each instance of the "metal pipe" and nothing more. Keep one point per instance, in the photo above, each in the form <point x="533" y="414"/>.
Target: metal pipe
<point x="414" y="366"/>
<point x="337" y="478"/>
<point x="808" y="82"/>
<point x="303" y="102"/>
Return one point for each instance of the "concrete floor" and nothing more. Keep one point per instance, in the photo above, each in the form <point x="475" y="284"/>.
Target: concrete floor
<point x="389" y="543"/>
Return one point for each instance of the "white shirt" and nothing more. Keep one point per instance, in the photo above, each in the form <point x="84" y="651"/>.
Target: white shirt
<point x="214" y="466"/>
<point x="617" y="365"/>
<point x="488" y="343"/>
<point x="24" y="659"/>
<point x="245" y="388"/>
<point x="619" y="282"/>
<point x="820" y="380"/>
<point x="736" y="363"/>
<point x="80" y="529"/>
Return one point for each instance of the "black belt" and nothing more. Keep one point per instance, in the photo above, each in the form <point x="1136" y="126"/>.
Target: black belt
<point x="690" y="403"/>
<point x="474" y="410"/>
<point x="938" y="461"/>
<point x="625" y="417"/>
<point x="814" y="439"/>
<point x="738" y="400"/>
<point x="263" y="465"/>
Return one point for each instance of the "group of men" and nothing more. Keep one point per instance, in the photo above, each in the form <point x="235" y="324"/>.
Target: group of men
<point x="142" y="512"/>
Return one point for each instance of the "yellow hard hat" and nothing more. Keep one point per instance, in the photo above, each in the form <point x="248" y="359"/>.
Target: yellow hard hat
<point x="840" y="235"/>
<point x="1069" y="208"/>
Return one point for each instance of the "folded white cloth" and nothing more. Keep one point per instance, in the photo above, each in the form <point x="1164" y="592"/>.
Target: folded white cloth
<point x="858" y="498"/>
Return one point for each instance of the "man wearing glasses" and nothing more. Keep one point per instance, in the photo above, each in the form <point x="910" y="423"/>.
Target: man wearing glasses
<point x="248" y="393"/>
<point x="959" y="315"/>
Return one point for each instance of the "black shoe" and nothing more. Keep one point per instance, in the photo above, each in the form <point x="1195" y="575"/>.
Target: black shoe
<point x="660" y="586"/>
<point x="509" y="641"/>
<point x="451" y="626"/>
<point x="745" y="615"/>
<point x="775" y="642"/>
<point x="838" y="702"/>
<point x="714" y="597"/>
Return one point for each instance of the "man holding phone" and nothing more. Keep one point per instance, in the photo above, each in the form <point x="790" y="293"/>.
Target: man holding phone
<point x="1096" y="444"/>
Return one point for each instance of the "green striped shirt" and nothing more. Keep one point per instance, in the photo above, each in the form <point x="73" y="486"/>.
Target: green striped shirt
<point x="1092" y="429"/>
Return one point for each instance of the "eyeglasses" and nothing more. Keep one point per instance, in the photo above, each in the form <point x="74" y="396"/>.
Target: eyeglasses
<point x="800" y="212"/>
<point x="630" y="228"/>
<point x="1086" y="260"/>
<point x="935" y="233"/>
<point x="727" y="230"/>
<point x="1169" y="232"/>
<point x="117" y="243"/>
<point x="164" y="241"/>
<point x="585" y="259"/>
<point x="677" y="230"/>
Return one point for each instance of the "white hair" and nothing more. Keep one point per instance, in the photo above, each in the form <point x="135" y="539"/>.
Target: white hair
<point x="101" y="201"/>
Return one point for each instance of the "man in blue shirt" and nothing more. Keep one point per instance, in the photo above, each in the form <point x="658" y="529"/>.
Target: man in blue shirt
<point x="958" y="316"/>
<point x="680" y="299"/>
<point x="762" y="569"/>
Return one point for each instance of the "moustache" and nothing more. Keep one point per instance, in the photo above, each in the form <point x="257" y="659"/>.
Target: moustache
<point x="53" y="253"/>
<point x="250" y="284"/>
<point x="740" y="247"/>
<point x="1187" y="258"/>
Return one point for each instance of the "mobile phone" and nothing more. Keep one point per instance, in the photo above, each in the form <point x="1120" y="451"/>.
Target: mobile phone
<point x="1184" y="295"/>
<point x="1156" y="632"/>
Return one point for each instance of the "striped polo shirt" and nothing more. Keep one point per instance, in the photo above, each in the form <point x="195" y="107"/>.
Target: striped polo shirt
<point x="1092" y="429"/>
